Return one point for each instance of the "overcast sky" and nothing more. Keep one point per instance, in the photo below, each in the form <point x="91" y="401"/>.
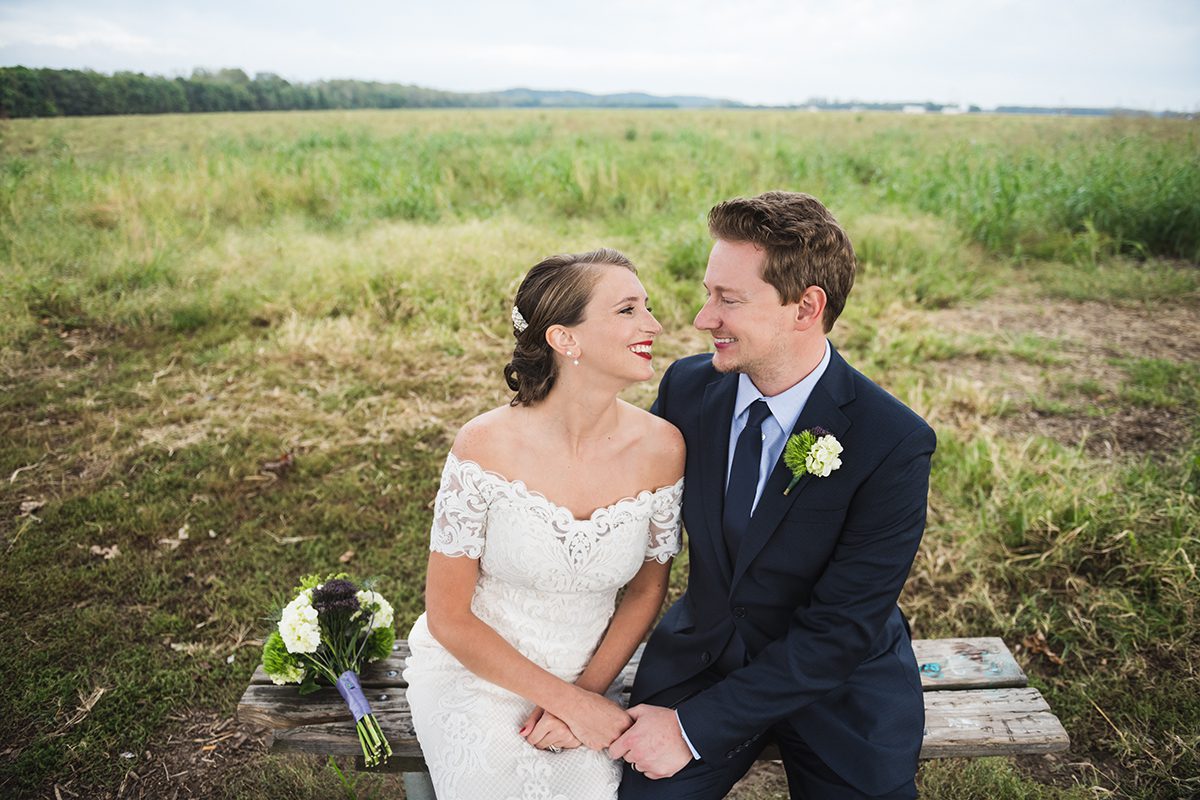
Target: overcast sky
<point x="1141" y="54"/>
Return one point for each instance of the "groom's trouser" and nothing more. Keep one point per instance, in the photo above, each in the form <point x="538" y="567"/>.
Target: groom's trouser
<point x="807" y="775"/>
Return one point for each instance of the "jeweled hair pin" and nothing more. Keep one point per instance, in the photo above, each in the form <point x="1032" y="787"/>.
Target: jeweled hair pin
<point x="518" y="321"/>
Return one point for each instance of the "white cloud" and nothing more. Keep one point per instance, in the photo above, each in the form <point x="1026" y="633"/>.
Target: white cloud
<point x="73" y="33"/>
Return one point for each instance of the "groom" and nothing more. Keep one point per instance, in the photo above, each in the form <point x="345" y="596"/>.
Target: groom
<point x="789" y="630"/>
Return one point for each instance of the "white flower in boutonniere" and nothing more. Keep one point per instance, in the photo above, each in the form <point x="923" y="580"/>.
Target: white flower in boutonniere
<point x="811" y="452"/>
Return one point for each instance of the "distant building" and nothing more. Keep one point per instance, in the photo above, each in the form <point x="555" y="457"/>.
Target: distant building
<point x="912" y="108"/>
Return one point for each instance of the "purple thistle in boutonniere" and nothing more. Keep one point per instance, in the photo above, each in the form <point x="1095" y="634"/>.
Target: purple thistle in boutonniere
<point x="811" y="452"/>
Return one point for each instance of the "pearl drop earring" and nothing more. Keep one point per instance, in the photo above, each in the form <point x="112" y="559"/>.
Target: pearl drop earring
<point x="576" y="361"/>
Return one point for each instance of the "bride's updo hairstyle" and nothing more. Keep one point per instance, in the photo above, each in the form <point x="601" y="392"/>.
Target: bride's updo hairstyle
<point x="556" y="291"/>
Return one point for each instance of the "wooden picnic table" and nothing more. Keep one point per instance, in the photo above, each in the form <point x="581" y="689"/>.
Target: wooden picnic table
<point x="977" y="703"/>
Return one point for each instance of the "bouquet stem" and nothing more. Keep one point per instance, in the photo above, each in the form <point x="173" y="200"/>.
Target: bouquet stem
<point x="375" y="747"/>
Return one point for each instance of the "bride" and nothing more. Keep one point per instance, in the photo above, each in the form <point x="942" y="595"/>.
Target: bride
<point x="547" y="507"/>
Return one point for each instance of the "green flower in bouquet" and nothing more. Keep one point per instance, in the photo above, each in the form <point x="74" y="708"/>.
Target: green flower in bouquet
<point x="329" y="631"/>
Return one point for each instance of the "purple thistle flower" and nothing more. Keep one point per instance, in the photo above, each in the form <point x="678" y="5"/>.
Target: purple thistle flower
<point x="336" y="596"/>
<point x="818" y="431"/>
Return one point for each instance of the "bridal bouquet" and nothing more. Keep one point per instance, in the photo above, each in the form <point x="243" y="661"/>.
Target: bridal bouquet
<point x="329" y="631"/>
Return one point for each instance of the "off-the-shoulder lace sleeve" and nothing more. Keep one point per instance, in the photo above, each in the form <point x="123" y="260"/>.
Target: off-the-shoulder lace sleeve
<point x="460" y="510"/>
<point x="664" y="541"/>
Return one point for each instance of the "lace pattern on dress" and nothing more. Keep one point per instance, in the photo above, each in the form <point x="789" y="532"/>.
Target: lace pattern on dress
<point x="666" y="519"/>
<point x="467" y="490"/>
<point x="460" y="510"/>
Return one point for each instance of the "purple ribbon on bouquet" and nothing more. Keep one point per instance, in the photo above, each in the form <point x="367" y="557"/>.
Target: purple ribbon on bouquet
<point x="351" y="691"/>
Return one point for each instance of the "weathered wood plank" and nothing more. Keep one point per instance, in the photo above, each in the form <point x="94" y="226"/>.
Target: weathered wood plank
<point x="983" y="662"/>
<point x="945" y="664"/>
<point x="960" y="724"/>
<point x="385" y="672"/>
<point x="990" y="722"/>
<point x="340" y="738"/>
<point x="987" y="713"/>
<point x="974" y="663"/>
<point x="282" y="707"/>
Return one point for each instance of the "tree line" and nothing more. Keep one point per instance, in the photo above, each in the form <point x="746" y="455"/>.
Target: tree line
<point x="26" y="92"/>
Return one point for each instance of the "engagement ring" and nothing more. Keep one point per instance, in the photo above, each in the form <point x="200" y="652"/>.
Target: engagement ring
<point x="554" y="748"/>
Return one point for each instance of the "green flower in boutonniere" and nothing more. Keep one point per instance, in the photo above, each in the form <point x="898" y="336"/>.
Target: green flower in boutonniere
<point x="811" y="452"/>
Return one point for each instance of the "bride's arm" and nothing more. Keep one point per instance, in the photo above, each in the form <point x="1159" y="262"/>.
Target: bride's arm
<point x="449" y="587"/>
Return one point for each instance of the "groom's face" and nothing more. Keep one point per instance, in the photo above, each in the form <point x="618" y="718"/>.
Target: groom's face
<point x="743" y="313"/>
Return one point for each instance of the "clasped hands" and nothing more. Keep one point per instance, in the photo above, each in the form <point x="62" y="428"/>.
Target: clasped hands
<point x="647" y="737"/>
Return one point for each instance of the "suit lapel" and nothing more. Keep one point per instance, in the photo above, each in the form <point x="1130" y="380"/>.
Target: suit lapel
<point x="716" y="417"/>
<point x="823" y="409"/>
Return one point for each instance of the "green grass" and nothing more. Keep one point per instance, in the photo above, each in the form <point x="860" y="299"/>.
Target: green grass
<point x="182" y="299"/>
<point x="1159" y="383"/>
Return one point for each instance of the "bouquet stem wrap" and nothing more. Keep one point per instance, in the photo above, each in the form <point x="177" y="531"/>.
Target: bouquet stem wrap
<point x="375" y="747"/>
<point x="351" y="691"/>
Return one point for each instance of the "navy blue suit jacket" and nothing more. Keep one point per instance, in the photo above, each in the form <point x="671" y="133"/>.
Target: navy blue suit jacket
<point x="813" y="590"/>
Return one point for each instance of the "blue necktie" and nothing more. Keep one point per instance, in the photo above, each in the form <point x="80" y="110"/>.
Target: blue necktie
<point x="743" y="479"/>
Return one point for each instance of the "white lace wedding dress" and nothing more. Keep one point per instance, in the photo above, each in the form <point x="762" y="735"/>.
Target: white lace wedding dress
<point x="547" y="584"/>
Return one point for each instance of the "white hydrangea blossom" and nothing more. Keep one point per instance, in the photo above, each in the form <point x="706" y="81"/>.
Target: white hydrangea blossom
<point x="373" y="603"/>
<point x="299" y="627"/>
<point x="293" y="674"/>
<point x="823" y="457"/>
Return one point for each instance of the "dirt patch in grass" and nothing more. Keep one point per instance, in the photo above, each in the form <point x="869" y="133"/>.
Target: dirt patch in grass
<point x="1123" y="431"/>
<point x="196" y="753"/>
<point x="1067" y="383"/>
<point x="1087" y="330"/>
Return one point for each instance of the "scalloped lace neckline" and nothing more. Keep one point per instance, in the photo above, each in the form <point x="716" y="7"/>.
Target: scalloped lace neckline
<point x="533" y="494"/>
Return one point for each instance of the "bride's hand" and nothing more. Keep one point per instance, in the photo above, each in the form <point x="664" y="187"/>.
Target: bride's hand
<point x="545" y="731"/>
<point x="595" y="720"/>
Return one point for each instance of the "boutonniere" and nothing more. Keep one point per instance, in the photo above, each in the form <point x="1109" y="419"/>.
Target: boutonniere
<point x="811" y="452"/>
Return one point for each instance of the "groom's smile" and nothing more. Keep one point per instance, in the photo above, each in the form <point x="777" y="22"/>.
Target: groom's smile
<point x="743" y="312"/>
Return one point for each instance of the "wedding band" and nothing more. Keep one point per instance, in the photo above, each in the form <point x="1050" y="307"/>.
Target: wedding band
<point x="636" y="768"/>
<point x="554" y="748"/>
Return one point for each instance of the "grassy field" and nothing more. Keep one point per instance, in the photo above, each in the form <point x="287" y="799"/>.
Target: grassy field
<point x="183" y="298"/>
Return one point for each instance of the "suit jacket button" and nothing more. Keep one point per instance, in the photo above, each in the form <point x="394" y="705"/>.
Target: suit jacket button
<point x="705" y="657"/>
<point x="739" y="611"/>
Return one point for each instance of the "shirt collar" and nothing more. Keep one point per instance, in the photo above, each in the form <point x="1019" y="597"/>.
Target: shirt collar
<point x="787" y="405"/>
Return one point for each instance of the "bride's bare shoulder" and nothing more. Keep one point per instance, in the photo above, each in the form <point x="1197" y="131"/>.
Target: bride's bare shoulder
<point x="660" y="443"/>
<point x="486" y="438"/>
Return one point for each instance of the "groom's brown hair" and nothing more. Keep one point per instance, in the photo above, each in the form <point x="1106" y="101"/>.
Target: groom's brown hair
<point x="804" y="245"/>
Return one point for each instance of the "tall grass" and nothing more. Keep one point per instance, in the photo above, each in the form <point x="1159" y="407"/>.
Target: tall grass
<point x="90" y="220"/>
<point x="183" y="298"/>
